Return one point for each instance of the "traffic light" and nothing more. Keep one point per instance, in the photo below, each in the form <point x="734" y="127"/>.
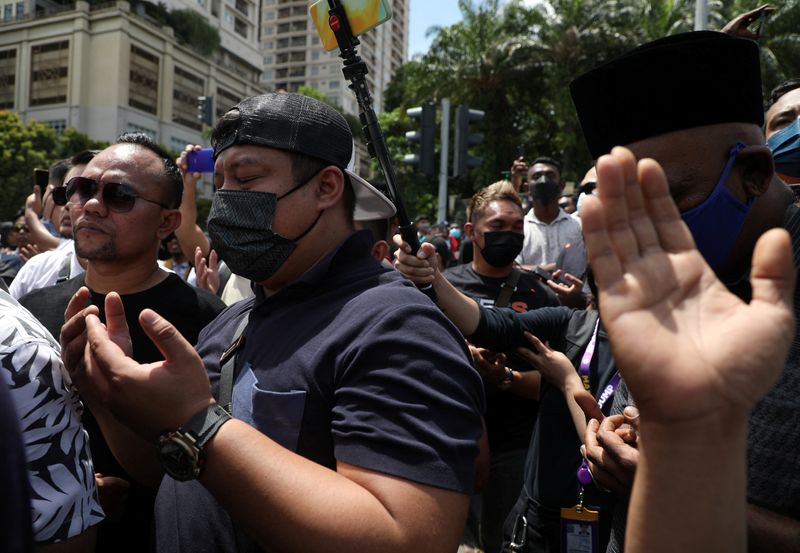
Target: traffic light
<point x="462" y="161"/>
<point x="425" y="136"/>
<point x="205" y="110"/>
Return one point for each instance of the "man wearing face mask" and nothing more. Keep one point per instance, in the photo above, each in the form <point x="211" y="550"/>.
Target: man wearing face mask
<point x="782" y="127"/>
<point x="494" y="225"/>
<point x="355" y="410"/>
<point x="693" y="102"/>
<point x="548" y="228"/>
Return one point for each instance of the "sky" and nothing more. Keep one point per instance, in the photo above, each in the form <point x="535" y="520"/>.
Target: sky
<point x="425" y="14"/>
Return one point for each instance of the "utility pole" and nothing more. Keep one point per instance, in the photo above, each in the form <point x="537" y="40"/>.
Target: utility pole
<point x="443" y="157"/>
<point x="701" y="15"/>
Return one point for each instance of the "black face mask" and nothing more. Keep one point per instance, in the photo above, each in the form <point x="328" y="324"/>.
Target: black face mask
<point x="545" y="190"/>
<point x="502" y="247"/>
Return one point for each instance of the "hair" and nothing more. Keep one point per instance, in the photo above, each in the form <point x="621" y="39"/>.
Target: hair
<point x="500" y="190"/>
<point x="84" y="157"/>
<point x="547" y="161"/>
<point x="59" y="170"/>
<point x="172" y="174"/>
<point x="781" y="89"/>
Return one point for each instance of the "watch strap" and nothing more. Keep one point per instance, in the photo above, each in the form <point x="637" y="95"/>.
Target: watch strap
<point x="205" y="423"/>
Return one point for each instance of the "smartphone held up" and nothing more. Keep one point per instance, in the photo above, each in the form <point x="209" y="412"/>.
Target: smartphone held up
<point x="362" y="15"/>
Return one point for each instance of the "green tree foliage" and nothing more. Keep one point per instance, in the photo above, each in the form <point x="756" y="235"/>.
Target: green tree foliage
<point x="515" y="62"/>
<point x="24" y="147"/>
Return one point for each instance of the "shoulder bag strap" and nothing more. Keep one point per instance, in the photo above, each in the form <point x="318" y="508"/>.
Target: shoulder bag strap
<point x="508" y="288"/>
<point x="227" y="363"/>
<point x="65" y="270"/>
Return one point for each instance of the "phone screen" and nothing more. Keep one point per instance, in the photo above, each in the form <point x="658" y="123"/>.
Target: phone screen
<point x="201" y="161"/>
<point x="362" y="15"/>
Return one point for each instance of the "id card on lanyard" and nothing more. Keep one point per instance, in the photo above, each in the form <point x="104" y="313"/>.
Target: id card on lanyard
<point x="580" y="526"/>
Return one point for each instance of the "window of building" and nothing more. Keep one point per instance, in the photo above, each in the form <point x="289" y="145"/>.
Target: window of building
<point x="243" y="7"/>
<point x="314" y="70"/>
<point x="49" y="70"/>
<point x="8" y="77"/>
<point x="215" y="6"/>
<point x="334" y="84"/>
<point x="143" y="87"/>
<point x="201" y="3"/>
<point x="267" y="60"/>
<point x="298" y="41"/>
<point x="20" y="10"/>
<point x="240" y="27"/>
<point x="178" y="144"/>
<point x="225" y="101"/>
<point x="315" y="55"/>
<point x="333" y="98"/>
<point x="132" y="127"/>
<point x="270" y="16"/>
<point x="58" y="125"/>
<point x="8" y="12"/>
<point x="187" y="88"/>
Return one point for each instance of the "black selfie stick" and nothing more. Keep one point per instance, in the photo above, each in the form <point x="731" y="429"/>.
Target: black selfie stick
<point x="355" y="71"/>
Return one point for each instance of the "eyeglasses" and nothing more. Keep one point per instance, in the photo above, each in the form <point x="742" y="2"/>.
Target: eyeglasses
<point x="117" y="196"/>
<point x="60" y="195"/>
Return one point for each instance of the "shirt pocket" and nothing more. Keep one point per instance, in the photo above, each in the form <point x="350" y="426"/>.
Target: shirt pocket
<point x="278" y="415"/>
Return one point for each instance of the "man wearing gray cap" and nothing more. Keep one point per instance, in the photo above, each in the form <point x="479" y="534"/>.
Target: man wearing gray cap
<point x="356" y="413"/>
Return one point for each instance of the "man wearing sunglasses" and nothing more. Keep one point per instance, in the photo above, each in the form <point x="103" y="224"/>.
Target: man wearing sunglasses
<point x="121" y="206"/>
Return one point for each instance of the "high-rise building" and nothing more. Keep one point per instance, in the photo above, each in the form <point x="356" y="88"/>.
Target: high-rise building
<point x="294" y="56"/>
<point x="108" y="68"/>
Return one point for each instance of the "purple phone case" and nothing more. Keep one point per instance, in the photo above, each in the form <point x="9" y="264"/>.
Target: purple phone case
<point x="201" y="161"/>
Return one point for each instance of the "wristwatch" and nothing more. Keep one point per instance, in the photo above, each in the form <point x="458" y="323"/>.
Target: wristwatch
<point x="508" y="380"/>
<point x="181" y="451"/>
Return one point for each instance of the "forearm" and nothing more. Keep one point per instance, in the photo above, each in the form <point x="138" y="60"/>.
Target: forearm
<point x="689" y="489"/>
<point x="461" y="310"/>
<point x="288" y="503"/>
<point x="189" y="235"/>
<point x="39" y="233"/>
<point x="568" y="389"/>
<point x="769" y="532"/>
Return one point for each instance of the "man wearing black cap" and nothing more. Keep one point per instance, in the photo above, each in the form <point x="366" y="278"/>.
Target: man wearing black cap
<point x="693" y="103"/>
<point x="356" y="413"/>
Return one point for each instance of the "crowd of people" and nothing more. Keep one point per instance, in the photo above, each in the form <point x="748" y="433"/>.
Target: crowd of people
<point x="610" y="368"/>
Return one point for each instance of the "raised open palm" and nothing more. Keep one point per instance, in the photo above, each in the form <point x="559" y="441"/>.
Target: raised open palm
<point x="685" y="345"/>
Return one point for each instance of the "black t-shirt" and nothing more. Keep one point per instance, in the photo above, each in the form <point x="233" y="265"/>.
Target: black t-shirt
<point x="189" y="309"/>
<point x="554" y="454"/>
<point x="509" y="417"/>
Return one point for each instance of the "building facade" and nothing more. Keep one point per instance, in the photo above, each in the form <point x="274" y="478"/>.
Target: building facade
<point x="106" y="69"/>
<point x="294" y="56"/>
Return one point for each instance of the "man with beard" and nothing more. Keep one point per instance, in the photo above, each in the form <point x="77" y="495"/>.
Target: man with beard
<point x="548" y="228"/>
<point x="122" y="205"/>
<point x="494" y="225"/>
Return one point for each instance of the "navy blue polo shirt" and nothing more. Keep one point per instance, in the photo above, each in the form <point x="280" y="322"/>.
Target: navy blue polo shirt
<point x="348" y="363"/>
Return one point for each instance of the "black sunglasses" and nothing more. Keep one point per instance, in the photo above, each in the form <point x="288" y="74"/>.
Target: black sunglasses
<point x="117" y="196"/>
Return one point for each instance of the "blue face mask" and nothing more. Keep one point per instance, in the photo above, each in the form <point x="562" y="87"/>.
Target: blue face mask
<point x="715" y="224"/>
<point x="785" y="146"/>
<point x="455" y="233"/>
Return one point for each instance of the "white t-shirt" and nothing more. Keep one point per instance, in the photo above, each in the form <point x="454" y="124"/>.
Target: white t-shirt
<point x="544" y="241"/>
<point x="43" y="269"/>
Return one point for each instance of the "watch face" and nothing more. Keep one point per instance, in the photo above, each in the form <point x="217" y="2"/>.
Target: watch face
<point x="180" y="459"/>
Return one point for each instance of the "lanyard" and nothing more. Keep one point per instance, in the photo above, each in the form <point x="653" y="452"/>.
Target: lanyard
<point x="584" y="476"/>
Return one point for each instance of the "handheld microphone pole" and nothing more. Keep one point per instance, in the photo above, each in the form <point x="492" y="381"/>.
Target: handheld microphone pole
<point x="355" y="71"/>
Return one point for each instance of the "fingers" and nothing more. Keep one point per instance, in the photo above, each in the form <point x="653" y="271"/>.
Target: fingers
<point x="772" y="275"/>
<point x="116" y="323"/>
<point x="78" y="301"/>
<point x="673" y="234"/>
<point x="614" y="175"/>
<point x="172" y="345"/>
<point x="538" y="345"/>
<point x="419" y="268"/>
<point x="213" y="261"/>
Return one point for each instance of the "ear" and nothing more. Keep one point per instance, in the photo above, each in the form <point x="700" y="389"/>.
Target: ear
<point x="330" y="187"/>
<point x="469" y="230"/>
<point x="380" y="250"/>
<point x="756" y="169"/>
<point x="169" y="222"/>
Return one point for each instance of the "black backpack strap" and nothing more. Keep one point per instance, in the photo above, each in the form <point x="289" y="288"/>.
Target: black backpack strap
<point x="66" y="269"/>
<point x="508" y="288"/>
<point x="227" y="363"/>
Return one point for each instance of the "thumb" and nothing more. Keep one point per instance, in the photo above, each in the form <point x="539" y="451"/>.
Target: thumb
<point x="172" y="345"/>
<point x="588" y="405"/>
<point x="772" y="275"/>
<point x="212" y="261"/>
<point x="426" y="251"/>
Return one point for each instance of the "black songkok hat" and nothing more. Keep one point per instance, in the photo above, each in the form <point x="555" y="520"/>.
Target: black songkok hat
<point x="677" y="82"/>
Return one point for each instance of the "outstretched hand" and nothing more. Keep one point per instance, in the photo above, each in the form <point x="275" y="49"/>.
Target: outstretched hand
<point x="207" y="273"/>
<point x="148" y="398"/>
<point x="686" y="346"/>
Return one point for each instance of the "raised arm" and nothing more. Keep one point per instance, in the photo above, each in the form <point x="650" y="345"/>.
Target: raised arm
<point x="695" y="357"/>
